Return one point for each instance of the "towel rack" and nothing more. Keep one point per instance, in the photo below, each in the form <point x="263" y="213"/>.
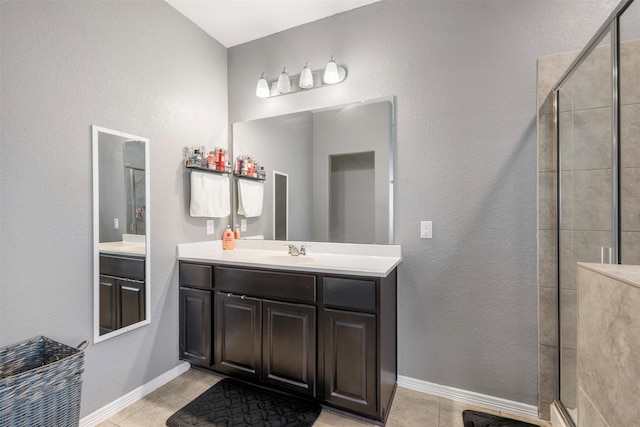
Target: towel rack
<point x="222" y="172"/>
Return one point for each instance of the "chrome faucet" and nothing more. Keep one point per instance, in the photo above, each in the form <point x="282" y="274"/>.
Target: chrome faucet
<point x="294" y="251"/>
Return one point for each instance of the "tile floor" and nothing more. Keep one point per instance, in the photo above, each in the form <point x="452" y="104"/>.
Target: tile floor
<point x="410" y="408"/>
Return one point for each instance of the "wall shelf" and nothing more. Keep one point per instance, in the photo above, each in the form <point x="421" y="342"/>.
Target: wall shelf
<point x="226" y="171"/>
<point x="254" y="178"/>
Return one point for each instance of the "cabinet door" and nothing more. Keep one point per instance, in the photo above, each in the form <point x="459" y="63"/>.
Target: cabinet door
<point x="350" y="360"/>
<point x="195" y="326"/>
<point x="131" y="302"/>
<point x="107" y="304"/>
<point x="237" y="334"/>
<point x="289" y="346"/>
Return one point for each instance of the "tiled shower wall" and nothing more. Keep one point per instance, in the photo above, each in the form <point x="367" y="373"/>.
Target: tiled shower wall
<point x="586" y="122"/>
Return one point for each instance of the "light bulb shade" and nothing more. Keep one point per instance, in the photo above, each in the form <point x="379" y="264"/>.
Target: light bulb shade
<point x="306" y="77"/>
<point x="262" y="89"/>
<point x="331" y="72"/>
<point x="284" y="84"/>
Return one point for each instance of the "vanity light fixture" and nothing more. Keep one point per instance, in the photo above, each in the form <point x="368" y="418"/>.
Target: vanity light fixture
<point x="306" y="80"/>
<point x="306" y="77"/>
<point x="331" y="75"/>
<point x="284" y="82"/>
<point x="262" y="90"/>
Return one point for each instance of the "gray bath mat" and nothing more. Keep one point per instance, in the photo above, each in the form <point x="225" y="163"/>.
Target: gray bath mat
<point x="232" y="403"/>
<point x="480" y="419"/>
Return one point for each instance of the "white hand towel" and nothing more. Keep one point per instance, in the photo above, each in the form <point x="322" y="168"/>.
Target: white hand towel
<point x="250" y="197"/>
<point x="210" y="195"/>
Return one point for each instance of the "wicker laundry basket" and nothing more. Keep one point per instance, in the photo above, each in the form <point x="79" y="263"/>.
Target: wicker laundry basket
<point x="40" y="383"/>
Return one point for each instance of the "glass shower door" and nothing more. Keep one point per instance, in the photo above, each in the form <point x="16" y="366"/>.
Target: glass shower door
<point x="585" y="154"/>
<point x="629" y="72"/>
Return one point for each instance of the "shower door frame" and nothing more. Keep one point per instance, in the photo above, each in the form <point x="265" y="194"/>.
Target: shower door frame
<point x="611" y="26"/>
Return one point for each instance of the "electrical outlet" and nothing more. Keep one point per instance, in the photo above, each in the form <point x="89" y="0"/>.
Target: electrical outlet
<point x="243" y="225"/>
<point x="426" y="229"/>
<point x="116" y="224"/>
<point x="210" y="229"/>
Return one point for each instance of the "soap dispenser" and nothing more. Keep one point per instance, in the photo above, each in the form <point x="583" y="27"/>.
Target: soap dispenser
<point x="228" y="240"/>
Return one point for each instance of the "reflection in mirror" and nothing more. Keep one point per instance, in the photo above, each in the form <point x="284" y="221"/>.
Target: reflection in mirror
<point x="121" y="237"/>
<point x="338" y="164"/>
<point x="280" y="206"/>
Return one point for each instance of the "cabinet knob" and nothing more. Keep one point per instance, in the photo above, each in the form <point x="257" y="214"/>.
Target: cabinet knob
<point x="229" y="295"/>
<point x="243" y="297"/>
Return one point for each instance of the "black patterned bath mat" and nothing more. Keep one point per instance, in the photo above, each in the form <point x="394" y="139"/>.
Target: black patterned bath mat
<point x="480" y="419"/>
<point x="232" y="403"/>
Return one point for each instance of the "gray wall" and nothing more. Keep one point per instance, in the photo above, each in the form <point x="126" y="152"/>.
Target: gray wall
<point x="464" y="74"/>
<point x="135" y="66"/>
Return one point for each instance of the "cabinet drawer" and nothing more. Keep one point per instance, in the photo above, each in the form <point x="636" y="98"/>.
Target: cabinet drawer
<point x="349" y="293"/>
<point x="196" y="275"/>
<point x="266" y="284"/>
<point x="130" y="268"/>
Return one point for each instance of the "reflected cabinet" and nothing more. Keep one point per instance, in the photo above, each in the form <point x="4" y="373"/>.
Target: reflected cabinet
<point x="330" y="338"/>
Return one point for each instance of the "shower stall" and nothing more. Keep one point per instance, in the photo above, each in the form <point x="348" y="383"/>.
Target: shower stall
<point x="594" y="176"/>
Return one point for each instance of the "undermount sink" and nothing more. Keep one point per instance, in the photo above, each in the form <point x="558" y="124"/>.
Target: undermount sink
<point x="287" y="259"/>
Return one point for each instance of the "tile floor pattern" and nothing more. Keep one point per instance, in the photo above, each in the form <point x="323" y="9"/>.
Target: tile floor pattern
<point x="410" y="408"/>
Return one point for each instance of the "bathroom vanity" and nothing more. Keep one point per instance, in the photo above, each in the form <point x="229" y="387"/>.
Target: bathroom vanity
<point x="122" y="285"/>
<point x="321" y="325"/>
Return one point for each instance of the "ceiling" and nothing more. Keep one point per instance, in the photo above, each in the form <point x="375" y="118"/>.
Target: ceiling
<point x="233" y="22"/>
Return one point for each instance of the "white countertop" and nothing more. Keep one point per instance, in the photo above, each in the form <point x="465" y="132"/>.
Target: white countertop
<point x="321" y="257"/>
<point x="131" y="244"/>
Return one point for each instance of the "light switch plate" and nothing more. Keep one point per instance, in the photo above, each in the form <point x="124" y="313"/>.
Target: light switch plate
<point x="210" y="229"/>
<point x="426" y="229"/>
<point x="116" y="224"/>
<point x="243" y="225"/>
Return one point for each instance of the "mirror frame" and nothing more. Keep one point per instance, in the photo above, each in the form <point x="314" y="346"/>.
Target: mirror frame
<point x="95" y="132"/>
<point x="392" y="152"/>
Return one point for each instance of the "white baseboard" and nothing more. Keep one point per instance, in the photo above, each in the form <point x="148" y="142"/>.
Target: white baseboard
<point x="451" y="393"/>
<point x="470" y="397"/>
<point x="119" y="404"/>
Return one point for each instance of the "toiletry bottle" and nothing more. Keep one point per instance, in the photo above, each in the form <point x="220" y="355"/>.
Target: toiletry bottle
<point x="228" y="241"/>
<point x="239" y="165"/>
<point x="211" y="160"/>
<point x="221" y="159"/>
<point x="236" y="233"/>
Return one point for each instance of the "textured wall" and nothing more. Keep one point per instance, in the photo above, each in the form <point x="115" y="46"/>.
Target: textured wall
<point x="464" y="74"/>
<point x="135" y="66"/>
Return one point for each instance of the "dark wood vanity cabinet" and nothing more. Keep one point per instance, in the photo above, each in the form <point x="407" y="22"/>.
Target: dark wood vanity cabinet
<point x="122" y="292"/>
<point x="329" y="337"/>
<point x="289" y="346"/>
<point x="350" y="360"/>
<point x="196" y="326"/>
<point x="260" y="338"/>
<point x="237" y="332"/>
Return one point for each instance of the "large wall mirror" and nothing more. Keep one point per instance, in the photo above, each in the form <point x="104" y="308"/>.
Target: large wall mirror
<point x="329" y="174"/>
<point x="121" y="297"/>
